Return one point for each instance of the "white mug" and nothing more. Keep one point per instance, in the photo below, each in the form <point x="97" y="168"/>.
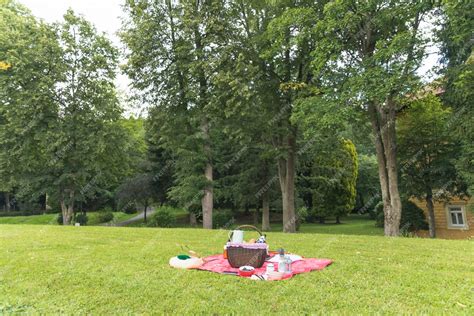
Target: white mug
<point x="237" y="236"/>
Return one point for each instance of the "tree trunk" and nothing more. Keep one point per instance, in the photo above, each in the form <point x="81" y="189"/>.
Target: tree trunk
<point x="389" y="138"/>
<point x="144" y="212"/>
<point x="67" y="207"/>
<point x="207" y="203"/>
<point x="338" y="220"/>
<point x="431" y="216"/>
<point x="255" y="216"/>
<point x="207" y="200"/>
<point x="383" y="128"/>
<point x="266" y="211"/>
<point x="7" y="201"/>
<point x="286" y="174"/>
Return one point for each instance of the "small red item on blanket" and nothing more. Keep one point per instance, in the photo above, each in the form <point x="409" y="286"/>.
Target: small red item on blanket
<point x="218" y="264"/>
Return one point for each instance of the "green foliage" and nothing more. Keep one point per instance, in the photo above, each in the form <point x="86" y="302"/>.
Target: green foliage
<point x="368" y="187"/>
<point x="455" y="36"/>
<point x="162" y="218"/>
<point x="129" y="208"/>
<point x="413" y="217"/>
<point x="302" y="214"/>
<point x="427" y="149"/>
<point x="222" y="219"/>
<point x="81" y="218"/>
<point x="334" y="179"/>
<point x="138" y="190"/>
<point x="61" y="129"/>
<point x="105" y="216"/>
<point x="378" y="214"/>
<point x="59" y="219"/>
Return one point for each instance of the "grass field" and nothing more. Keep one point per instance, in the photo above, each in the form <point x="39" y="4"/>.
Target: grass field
<point x="50" y="219"/>
<point x="109" y="270"/>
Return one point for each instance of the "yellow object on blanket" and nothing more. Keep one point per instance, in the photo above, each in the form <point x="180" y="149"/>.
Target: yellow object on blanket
<point x="187" y="263"/>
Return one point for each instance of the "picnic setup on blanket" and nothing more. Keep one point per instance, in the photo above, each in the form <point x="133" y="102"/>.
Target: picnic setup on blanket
<point x="252" y="259"/>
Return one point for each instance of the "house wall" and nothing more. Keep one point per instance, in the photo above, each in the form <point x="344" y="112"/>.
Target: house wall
<point x="441" y="219"/>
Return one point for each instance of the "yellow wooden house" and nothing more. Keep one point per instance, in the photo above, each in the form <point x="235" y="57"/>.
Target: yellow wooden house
<point x="453" y="219"/>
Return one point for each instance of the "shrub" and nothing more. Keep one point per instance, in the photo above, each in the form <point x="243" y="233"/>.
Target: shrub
<point x="130" y="208"/>
<point x="222" y="219"/>
<point x="59" y="219"/>
<point x="162" y="218"/>
<point x="378" y="215"/>
<point x="412" y="219"/>
<point x="81" y="219"/>
<point x="302" y="214"/>
<point x="20" y="213"/>
<point x="105" y="216"/>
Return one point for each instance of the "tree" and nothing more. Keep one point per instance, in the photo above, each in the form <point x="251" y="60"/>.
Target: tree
<point x="28" y="55"/>
<point x="334" y="177"/>
<point x="427" y="150"/>
<point x="137" y="190"/>
<point x="455" y="36"/>
<point x="61" y="110"/>
<point x="368" y="192"/>
<point x="172" y="54"/>
<point x="366" y="55"/>
<point x="87" y="133"/>
<point x="272" y="42"/>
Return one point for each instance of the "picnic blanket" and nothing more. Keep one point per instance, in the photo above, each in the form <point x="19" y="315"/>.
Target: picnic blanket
<point x="218" y="264"/>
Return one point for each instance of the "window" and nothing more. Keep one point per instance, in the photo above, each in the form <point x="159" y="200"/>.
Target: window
<point x="456" y="216"/>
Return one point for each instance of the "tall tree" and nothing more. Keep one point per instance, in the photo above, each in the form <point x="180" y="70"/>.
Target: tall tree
<point x="174" y="46"/>
<point x="28" y="55"/>
<point x="275" y="42"/>
<point x="455" y="36"/>
<point x="427" y="151"/>
<point x="87" y="131"/>
<point x="367" y="55"/>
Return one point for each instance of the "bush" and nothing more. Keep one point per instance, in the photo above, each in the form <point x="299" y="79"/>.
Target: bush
<point x="162" y="218"/>
<point x="130" y="208"/>
<point x="222" y="219"/>
<point x="81" y="219"/>
<point x="105" y="216"/>
<point x="413" y="218"/>
<point x="59" y="219"/>
<point x="302" y="214"/>
<point x="378" y="215"/>
<point x="21" y="213"/>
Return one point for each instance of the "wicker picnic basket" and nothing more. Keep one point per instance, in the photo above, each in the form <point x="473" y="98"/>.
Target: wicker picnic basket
<point x="242" y="255"/>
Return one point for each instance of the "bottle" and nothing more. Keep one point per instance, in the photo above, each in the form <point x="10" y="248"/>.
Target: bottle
<point x="270" y="267"/>
<point x="281" y="260"/>
<point x="288" y="265"/>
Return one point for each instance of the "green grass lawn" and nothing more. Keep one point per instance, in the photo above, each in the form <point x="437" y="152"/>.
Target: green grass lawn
<point x="113" y="270"/>
<point x="50" y="219"/>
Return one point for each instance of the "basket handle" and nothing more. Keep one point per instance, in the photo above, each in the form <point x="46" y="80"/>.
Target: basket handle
<point x="244" y="226"/>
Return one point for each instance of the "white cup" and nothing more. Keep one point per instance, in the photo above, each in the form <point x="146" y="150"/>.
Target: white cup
<point x="237" y="236"/>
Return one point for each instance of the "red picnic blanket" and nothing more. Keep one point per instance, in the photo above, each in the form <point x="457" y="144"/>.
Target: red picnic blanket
<point x="218" y="264"/>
